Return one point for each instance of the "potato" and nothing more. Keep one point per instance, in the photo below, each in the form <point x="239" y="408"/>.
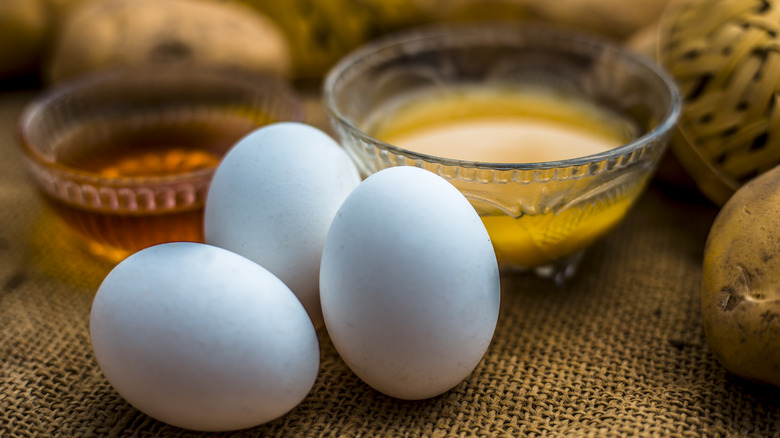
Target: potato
<point x="741" y="281"/>
<point x="23" y="35"/>
<point x="131" y="33"/>
<point x="61" y="9"/>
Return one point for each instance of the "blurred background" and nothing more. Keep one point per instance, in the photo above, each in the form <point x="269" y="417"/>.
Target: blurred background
<point x="56" y="40"/>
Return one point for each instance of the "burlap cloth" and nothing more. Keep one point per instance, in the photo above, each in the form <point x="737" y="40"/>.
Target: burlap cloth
<point x="619" y="352"/>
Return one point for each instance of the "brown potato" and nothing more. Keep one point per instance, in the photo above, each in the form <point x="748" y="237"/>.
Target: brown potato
<point x="23" y="35"/>
<point x="61" y="9"/>
<point x="741" y="281"/>
<point x="130" y="33"/>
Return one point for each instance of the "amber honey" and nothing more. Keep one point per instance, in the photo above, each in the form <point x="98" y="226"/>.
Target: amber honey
<point x="141" y="154"/>
<point x="518" y="125"/>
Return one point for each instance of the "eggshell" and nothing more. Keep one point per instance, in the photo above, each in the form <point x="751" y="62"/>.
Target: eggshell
<point x="273" y="198"/>
<point x="201" y="338"/>
<point x="409" y="284"/>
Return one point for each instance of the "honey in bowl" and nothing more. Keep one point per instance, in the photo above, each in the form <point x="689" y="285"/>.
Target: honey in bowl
<point x="517" y="124"/>
<point x="156" y="151"/>
<point x="125" y="158"/>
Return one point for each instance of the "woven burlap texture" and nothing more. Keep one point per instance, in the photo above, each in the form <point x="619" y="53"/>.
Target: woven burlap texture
<point x="619" y="352"/>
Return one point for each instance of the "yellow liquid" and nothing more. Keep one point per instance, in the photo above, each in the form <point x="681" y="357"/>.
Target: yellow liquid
<point x="516" y="125"/>
<point x="536" y="240"/>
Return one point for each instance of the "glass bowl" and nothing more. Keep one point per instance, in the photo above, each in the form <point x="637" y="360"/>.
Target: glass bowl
<point x="125" y="158"/>
<point x="541" y="215"/>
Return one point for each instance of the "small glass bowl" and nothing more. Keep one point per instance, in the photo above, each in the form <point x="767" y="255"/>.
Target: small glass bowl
<point x="549" y="212"/>
<point x="125" y="157"/>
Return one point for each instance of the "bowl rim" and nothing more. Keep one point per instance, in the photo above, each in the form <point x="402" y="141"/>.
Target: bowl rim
<point x="500" y="29"/>
<point x="41" y="103"/>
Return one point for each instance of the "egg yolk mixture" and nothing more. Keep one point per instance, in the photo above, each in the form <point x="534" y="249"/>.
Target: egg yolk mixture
<point x="515" y="125"/>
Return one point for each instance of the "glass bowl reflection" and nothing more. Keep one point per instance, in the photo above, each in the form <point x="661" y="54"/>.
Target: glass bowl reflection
<point x="541" y="216"/>
<point x="125" y="157"/>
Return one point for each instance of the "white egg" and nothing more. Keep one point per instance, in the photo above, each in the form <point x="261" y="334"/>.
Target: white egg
<point x="202" y="338"/>
<point x="273" y="198"/>
<point x="409" y="284"/>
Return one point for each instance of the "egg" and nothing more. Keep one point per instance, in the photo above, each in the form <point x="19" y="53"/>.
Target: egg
<point x="272" y="199"/>
<point x="409" y="284"/>
<point x="202" y="338"/>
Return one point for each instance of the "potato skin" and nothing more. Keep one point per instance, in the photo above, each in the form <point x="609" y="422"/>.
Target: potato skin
<point x="741" y="281"/>
<point x="23" y="35"/>
<point x="130" y="33"/>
